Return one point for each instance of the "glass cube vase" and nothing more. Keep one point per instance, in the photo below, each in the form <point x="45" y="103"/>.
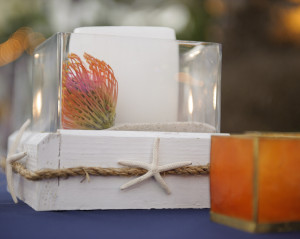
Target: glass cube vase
<point x="93" y="81"/>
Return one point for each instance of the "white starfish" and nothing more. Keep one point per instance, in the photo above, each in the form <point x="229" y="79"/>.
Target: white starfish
<point x="153" y="169"/>
<point x="13" y="157"/>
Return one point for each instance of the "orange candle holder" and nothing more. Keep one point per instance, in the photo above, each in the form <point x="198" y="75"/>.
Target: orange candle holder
<point x="255" y="181"/>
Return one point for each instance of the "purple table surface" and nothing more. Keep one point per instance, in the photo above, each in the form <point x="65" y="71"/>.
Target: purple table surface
<point x="21" y="221"/>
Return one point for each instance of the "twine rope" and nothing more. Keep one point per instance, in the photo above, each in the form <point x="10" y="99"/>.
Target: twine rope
<point x="98" y="171"/>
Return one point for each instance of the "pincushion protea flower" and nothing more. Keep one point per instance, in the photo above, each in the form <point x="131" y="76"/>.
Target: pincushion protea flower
<point x="89" y="96"/>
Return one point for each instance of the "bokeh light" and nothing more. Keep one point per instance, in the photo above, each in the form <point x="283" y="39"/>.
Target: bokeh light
<point x="24" y="39"/>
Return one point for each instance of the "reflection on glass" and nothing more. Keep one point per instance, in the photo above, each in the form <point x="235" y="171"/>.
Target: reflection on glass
<point x="215" y="97"/>
<point x="191" y="105"/>
<point x="37" y="105"/>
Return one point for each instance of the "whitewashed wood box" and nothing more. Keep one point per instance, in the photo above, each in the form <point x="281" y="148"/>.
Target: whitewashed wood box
<point x="73" y="148"/>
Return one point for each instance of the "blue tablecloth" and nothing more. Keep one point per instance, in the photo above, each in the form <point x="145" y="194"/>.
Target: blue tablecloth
<point x="21" y="221"/>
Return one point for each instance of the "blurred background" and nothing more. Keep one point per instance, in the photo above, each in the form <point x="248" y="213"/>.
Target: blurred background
<point x="261" y="51"/>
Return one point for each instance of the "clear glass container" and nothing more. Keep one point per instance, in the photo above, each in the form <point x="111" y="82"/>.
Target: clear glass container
<point x="92" y="81"/>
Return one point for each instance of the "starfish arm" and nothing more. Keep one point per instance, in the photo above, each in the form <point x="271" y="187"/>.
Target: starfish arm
<point x="136" y="164"/>
<point x="137" y="180"/>
<point x="16" y="157"/>
<point x="173" y="166"/>
<point x="15" y="144"/>
<point x="162" y="182"/>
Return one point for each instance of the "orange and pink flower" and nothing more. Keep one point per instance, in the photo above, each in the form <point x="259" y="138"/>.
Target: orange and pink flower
<point x="89" y="96"/>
